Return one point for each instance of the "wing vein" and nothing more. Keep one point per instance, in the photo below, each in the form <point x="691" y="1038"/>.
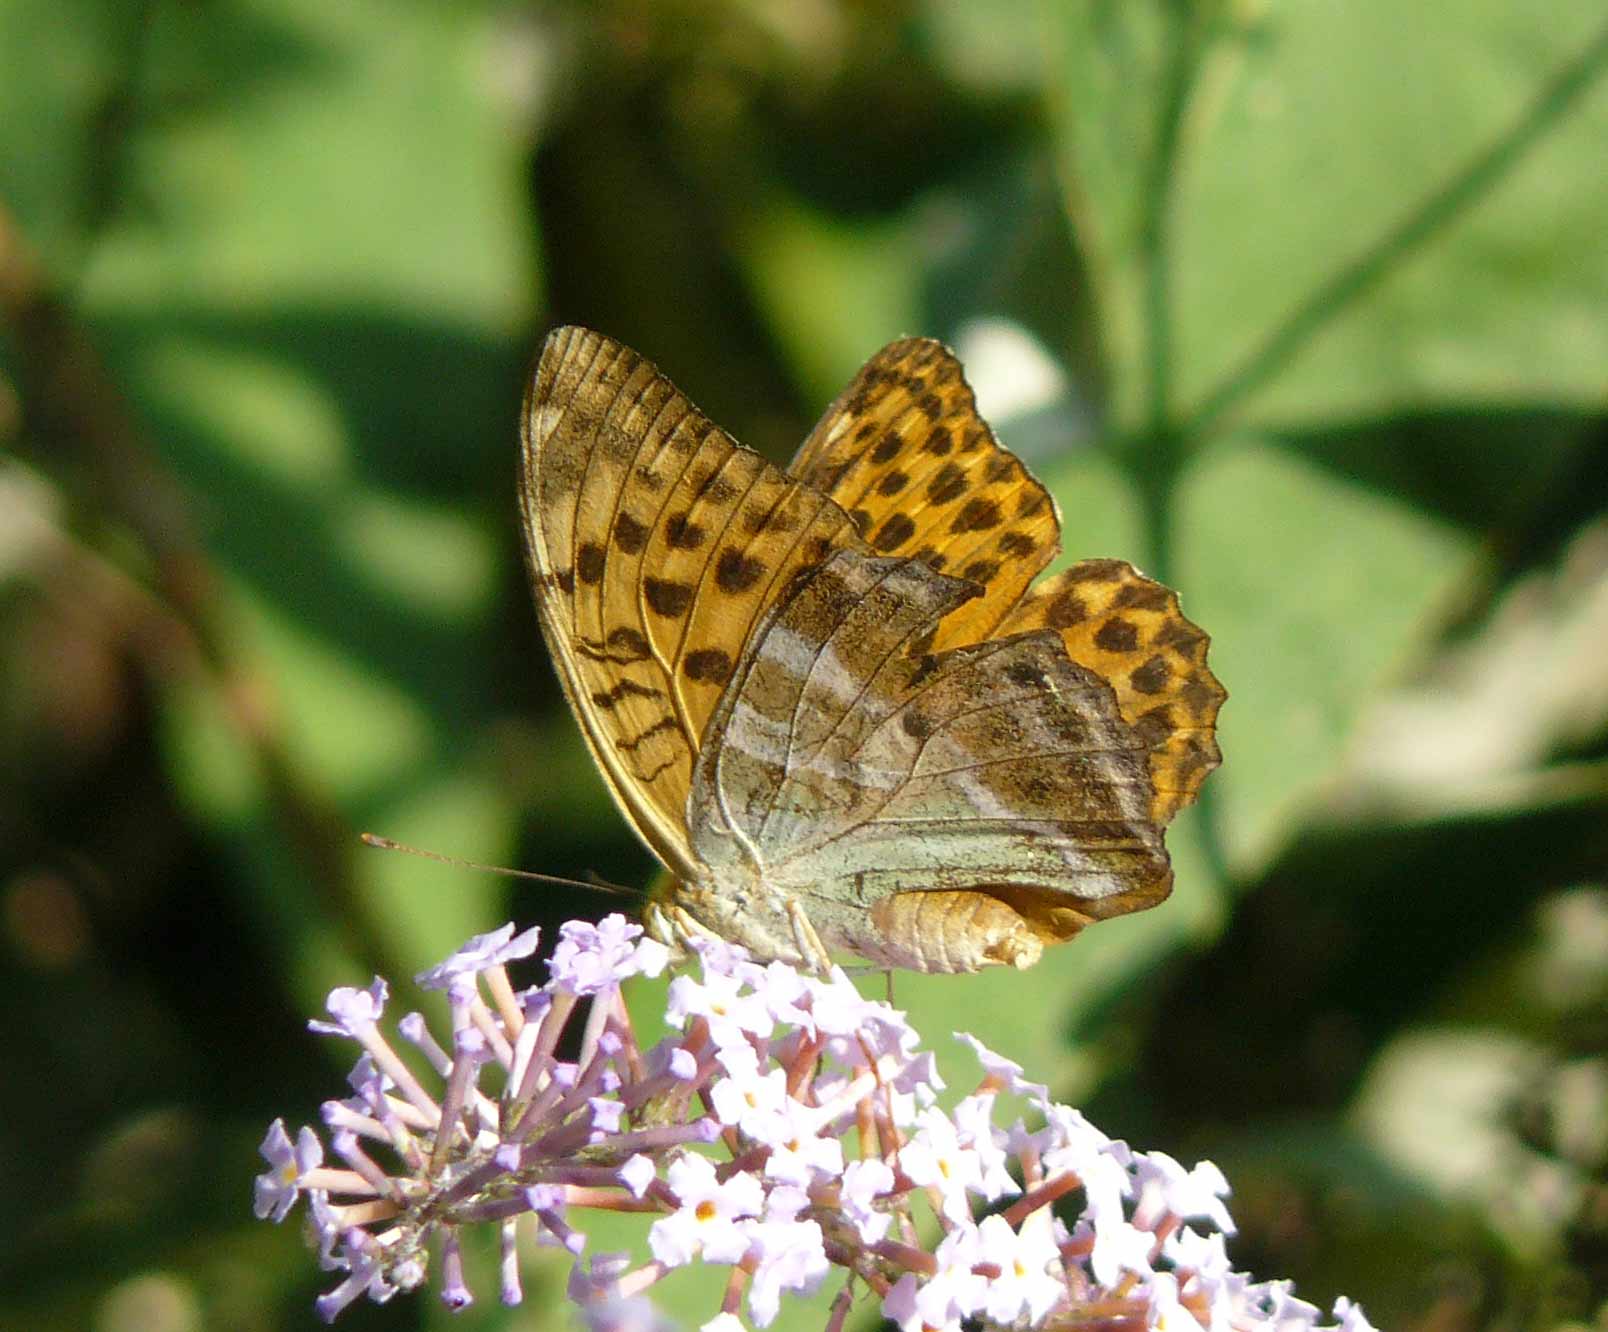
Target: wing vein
<point x="804" y="689"/>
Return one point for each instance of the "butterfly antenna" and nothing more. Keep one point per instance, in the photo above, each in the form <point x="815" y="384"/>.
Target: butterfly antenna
<point x="391" y="844"/>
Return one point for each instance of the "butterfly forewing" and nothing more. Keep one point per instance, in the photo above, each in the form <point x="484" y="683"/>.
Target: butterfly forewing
<point x="905" y="452"/>
<point x="655" y="542"/>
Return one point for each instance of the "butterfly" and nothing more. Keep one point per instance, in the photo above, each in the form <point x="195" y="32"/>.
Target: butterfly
<point x="832" y="700"/>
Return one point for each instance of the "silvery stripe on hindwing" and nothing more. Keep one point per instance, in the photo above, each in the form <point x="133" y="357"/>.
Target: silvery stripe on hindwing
<point x="888" y="857"/>
<point x="865" y="619"/>
<point x="812" y="675"/>
<point x="1002" y="763"/>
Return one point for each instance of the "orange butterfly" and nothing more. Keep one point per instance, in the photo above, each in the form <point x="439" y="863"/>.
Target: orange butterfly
<point x="830" y="700"/>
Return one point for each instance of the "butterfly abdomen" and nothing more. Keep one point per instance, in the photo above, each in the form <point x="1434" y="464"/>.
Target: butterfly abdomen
<point x="954" y="931"/>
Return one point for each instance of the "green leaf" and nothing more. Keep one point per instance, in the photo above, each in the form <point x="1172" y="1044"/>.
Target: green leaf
<point x="309" y="279"/>
<point x="1445" y="228"/>
<point x="1314" y="590"/>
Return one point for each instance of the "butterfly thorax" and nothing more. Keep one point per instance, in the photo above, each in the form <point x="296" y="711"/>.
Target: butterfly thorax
<point x="747" y="914"/>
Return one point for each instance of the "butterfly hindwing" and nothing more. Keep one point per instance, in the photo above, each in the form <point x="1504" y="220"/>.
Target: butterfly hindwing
<point x="852" y="765"/>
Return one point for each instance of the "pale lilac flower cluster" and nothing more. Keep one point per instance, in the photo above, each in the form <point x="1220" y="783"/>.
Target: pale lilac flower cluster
<point x="788" y="1128"/>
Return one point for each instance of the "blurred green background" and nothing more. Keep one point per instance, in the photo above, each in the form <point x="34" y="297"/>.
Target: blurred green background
<point x="1301" y="306"/>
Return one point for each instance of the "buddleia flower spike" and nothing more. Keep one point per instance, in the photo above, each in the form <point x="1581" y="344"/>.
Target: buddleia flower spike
<point x="782" y="1128"/>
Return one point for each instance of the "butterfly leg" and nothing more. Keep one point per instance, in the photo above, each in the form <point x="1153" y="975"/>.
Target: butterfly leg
<point x="656" y="921"/>
<point x="806" y="940"/>
<point x="677" y="928"/>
